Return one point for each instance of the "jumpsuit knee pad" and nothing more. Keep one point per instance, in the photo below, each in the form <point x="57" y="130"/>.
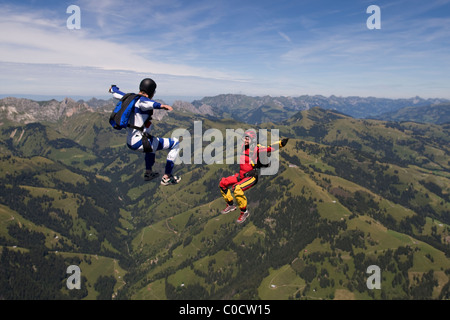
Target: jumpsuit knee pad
<point x="222" y="184"/>
<point x="240" y="197"/>
<point x="226" y="194"/>
<point x="174" y="148"/>
<point x="176" y="143"/>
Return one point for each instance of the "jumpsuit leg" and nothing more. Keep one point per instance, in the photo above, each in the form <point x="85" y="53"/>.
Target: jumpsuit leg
<point x="149" y="160"/>
<point x="171" y="144"/>
<point x="224" y="186"/>
<point x="239" y="189"/>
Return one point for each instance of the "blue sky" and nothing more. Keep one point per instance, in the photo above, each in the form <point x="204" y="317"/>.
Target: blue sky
<point x="203" y="48"/>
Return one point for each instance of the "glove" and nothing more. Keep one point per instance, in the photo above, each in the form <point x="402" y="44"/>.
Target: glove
<point x="284" y="141"/>
<point x="112" y="86"/>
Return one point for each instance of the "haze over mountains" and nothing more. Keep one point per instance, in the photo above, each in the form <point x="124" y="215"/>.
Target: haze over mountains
<point x="349" y="193"/>
<point x="248" y="109"/>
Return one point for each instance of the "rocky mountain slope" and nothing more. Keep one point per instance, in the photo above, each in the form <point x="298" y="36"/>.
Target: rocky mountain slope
<point x="253" y="110"/>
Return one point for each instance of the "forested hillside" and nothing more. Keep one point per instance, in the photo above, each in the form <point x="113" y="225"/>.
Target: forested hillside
<point x="349" y="193"/>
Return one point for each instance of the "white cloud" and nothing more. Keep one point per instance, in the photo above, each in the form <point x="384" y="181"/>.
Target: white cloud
<point x="218" y="47"/>
<point x="39" y="55"/>
<point x="36" y="40"/>
<point x="285" y="36"/>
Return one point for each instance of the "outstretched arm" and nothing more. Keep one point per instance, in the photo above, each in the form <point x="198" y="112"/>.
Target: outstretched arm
<point x="116" y="92"/>
<point x="150" y="104"/>
<point x="277" y="145"/>
<point x="166" y="107"/>
<point x="119" y="94"/>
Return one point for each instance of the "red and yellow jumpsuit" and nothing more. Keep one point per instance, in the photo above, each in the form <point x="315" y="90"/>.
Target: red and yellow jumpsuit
<point x="243" y="181"/>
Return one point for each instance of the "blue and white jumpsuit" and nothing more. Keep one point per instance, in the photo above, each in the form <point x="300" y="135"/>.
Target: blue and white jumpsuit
<point x="143" y="110"/>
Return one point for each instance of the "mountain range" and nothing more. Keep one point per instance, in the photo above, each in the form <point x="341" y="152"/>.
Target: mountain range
<point x="349" y="193"/>
<point x="438" y="114"/>
<point x="252" y="110"/>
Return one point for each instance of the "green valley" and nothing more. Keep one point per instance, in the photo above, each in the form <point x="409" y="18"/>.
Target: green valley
<point x="349" y="193"/>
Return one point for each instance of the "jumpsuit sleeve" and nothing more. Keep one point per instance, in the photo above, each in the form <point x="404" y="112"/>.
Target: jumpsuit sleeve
<point x="116" y="92"/>
<point x="273" y="147"/>
<point x="146" y="104"/>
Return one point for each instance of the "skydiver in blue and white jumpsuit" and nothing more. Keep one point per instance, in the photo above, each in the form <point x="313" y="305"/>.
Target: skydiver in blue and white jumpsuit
<point x="137" y="137"/>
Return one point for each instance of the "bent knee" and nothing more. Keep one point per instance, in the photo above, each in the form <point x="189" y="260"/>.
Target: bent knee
<point x="175" y="143"/>
<point x="223" y="184"/>
<point x="238" y="190"/>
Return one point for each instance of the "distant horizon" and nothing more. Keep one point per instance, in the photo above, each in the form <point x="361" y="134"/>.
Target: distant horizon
<point x="171" y="99"/>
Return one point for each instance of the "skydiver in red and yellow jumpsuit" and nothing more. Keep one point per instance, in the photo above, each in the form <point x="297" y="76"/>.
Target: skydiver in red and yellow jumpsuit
<point x="247" y="176"/>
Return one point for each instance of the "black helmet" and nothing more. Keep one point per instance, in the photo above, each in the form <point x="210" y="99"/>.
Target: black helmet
<point x="148" y="86"/>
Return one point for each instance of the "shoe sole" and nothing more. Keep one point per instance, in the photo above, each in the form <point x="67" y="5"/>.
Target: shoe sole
<point x="222" y="212"/>
<point x="169" y="183"/>
<point x="152" y="177"/>
<point x="243" y="220"/>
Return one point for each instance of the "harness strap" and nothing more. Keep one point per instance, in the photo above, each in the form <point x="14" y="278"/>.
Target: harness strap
<point x="136" y="128"/>
<point x="146" y="143"/>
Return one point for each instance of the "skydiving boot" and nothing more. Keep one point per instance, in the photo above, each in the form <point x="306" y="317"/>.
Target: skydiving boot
<point x="229" y="208"/>
<point x="170" y="180"/>
<point x="243" y="216"/>
<point x="150" y="175"/>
